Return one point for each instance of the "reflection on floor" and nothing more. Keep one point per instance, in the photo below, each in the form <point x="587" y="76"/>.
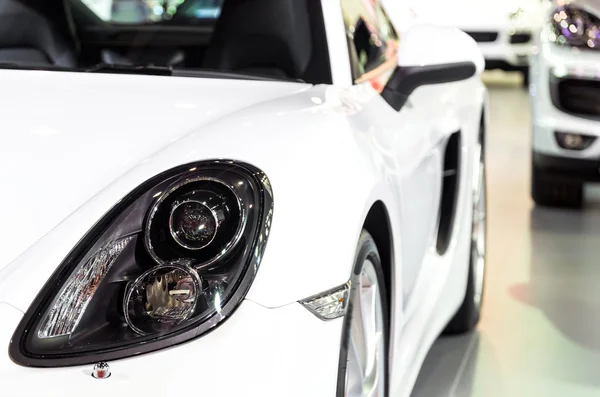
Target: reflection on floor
<point x="540" y="328"/>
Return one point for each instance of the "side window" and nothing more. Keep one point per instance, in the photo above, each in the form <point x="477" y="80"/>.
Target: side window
<point x="372" y="41"/>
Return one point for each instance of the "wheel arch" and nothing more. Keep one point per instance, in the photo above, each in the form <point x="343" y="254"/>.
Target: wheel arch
<point x="378" y="224"/>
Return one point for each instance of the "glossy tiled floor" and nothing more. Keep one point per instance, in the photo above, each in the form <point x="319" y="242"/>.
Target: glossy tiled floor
<point x="540" y="328"/>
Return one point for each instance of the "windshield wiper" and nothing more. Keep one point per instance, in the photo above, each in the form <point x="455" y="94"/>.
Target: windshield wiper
<point x="230" y="75"/>
<point x="129" y="69"/>
<point x="99" y="68"/>
<point x="182" y="72"/>
<point x="21" y="66"/>
<point x="153" y="71"/>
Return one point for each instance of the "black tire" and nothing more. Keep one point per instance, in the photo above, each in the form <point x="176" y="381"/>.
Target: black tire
<point x="467" y="316"/>
<point x="549" y="192"/>
<point x="366" y="249"/>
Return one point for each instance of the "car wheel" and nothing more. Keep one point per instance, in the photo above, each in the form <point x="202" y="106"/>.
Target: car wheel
<point x="364" y="356"/>
<point x="467" y="316"/>
<point x="546" y="191"/>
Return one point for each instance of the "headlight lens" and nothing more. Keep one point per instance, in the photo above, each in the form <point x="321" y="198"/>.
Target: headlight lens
<point x="169" y="263"/>
<point x="162" y="298"/>
<point x="575" y="27"/>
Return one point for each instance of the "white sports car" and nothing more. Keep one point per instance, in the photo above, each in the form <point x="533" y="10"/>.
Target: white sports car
<point x="503" y="29"/>
<point x="566" y="104"/>
<point x="285" y="201"/>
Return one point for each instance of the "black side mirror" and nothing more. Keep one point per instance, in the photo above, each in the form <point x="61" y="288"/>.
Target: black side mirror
<point x="406" y="79"/>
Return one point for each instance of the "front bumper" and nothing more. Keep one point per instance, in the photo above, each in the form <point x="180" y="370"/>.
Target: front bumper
<point x="568" y="169"/>
<point x="551" y="66"/>
<point x="257" y="352"/>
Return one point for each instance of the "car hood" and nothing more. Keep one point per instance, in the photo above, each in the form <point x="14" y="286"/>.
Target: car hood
<point x="478" y="14"/>
<point x="66" y="136"/>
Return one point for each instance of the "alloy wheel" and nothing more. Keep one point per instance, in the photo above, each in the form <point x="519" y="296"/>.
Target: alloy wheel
<point x="365" y="370"/>
<point x="478" y="235"/>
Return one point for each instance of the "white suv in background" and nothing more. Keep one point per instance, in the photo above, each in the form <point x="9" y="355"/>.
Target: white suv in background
<point x="565" y="93"/>
<point x="504" y="29"/>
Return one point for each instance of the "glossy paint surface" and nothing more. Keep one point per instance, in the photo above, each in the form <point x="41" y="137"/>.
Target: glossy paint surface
<point x="428" y="43"/>
<point x="539" y="333"/>
<point x="72" y="135"/>
<point x="238" y="359"/>
<point x="79" y="143"/>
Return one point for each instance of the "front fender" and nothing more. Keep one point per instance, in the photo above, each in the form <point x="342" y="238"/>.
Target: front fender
<point x="324" y="182"/>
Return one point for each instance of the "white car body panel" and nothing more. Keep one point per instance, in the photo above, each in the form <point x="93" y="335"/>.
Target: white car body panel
<point x="338" y="46"/>
<point x="330" y="153"/>
<point x="564" y="62"/>
<point x="291" y="342"/>
<point x="88" y="139"/>
<point x="417" y="55"/>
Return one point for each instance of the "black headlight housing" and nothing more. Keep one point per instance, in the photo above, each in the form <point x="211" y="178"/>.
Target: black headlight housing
<point x="575" y="27"/>
<point x="169" y="263"/>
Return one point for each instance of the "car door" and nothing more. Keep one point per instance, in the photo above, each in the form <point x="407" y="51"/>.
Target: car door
<point x="407" y="141"/>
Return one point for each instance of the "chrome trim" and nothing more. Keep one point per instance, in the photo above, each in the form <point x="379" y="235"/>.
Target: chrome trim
<point x="176" y="237"/>
<point x="161" y="199"/>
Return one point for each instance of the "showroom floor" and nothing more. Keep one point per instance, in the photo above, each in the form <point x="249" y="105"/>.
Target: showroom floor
<point x="540" y="329"/>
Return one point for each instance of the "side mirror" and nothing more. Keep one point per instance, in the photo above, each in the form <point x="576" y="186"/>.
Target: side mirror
<point x="430" y="54"/>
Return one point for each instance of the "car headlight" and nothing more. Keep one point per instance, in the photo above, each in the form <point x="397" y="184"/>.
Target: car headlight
<point x="575" y="27"/>
<point x="169" y="263"/>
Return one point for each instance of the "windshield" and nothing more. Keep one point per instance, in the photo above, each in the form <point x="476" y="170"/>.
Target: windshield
<point x="273" y="39"/>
